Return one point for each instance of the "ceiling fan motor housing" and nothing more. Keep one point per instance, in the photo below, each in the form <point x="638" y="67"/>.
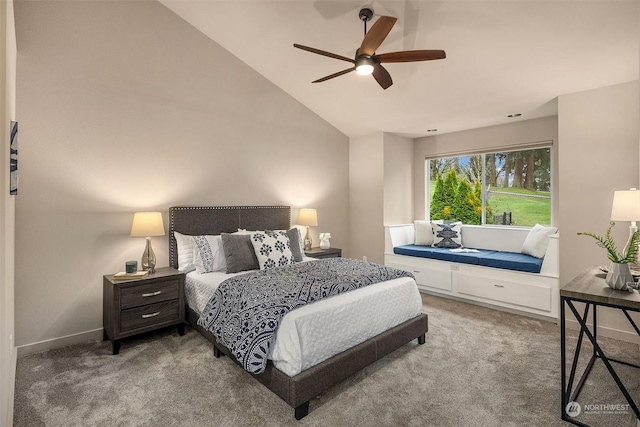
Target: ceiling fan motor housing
<point x="366" y="60"/>
<point x="366" y="14"/>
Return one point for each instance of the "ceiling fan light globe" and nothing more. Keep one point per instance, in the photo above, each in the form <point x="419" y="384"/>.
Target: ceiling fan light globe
<point x="364" y="65"/>
<point x="364" y="69"/>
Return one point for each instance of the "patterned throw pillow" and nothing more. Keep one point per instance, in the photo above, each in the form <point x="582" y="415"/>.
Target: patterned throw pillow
<point x="447" y="235"/>
<point x="208" y="254"/>
<point x="272" y="248"/>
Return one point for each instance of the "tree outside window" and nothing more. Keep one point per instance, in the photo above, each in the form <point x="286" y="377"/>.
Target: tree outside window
<point x="507" y="188"/>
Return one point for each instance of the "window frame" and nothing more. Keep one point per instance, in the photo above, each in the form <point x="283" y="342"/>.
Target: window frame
<point x="547" y="144"/>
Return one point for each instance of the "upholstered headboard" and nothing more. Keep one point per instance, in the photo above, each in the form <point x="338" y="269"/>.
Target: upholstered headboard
<point x="202" y="220"/>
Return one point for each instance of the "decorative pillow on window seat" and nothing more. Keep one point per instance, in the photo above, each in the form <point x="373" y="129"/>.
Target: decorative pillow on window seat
<point x="447" y="235"/>
<point x="537" y="240"/>
<point x="272" y="248"/>
<point x="423" y="233"/>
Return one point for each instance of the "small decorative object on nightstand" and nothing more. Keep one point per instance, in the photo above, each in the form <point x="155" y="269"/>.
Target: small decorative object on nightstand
<point x="323" y="253"/>
<point x="135" y="306"/>
<point x="324" y="240"/>
<point x="147" y="224"/>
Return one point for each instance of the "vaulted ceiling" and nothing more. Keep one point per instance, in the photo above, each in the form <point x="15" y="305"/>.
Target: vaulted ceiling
<point x="503" y="57"/>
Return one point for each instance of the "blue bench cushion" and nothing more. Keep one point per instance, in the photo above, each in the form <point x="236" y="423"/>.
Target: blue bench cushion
<point x="442" y="254"/>
<point x="487" y="258"/>
<point x="512" y="261"/>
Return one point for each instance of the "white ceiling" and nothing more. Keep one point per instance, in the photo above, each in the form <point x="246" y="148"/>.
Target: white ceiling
<point x="503" y="57"/>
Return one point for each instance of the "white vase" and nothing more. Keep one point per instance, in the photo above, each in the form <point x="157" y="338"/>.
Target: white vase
<point x="618" y="276"/>
<point x="324" y="244"/>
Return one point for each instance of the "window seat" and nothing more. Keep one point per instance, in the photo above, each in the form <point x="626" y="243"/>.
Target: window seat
<point x="485" y="257"/>
<point x="497" y="276"/>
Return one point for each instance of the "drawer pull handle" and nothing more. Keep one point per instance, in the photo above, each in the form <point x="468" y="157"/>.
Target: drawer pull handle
<point x="499" y="286"/>
<point x="416" y="271"/>
<point x="146" y="316"/>
<point x="152" y="294"/>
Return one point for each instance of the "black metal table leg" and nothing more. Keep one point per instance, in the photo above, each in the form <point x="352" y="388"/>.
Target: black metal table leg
<point x="598" y="351"/>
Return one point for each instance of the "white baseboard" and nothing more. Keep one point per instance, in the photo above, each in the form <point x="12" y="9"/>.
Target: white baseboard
<point x="53" y="343"/>
<point x="488" y="305"/>
<point x="571" y="323"/>
<point x="606" y="331"/>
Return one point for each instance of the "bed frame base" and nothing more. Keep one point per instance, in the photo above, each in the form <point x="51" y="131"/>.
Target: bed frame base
<point x="298" y="390"/>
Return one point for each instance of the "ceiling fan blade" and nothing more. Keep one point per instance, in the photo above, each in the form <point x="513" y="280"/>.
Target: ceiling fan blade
<point x="339" y="73"/>
<point x="411" y="56"/>
<point x="382" y="76"/>
<point x="377" y="34"/>
<point x="322" y="52"/>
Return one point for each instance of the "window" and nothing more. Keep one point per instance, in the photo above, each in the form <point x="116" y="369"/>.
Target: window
<point x="504" y="187"/>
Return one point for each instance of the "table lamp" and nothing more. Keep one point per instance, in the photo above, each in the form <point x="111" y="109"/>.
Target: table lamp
<point x="147" y="224"/>
<point x="626" y="207"/>
<point x="309" y="218"/>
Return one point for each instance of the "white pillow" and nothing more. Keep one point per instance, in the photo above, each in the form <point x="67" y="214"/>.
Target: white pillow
<point x="423" y="233"/>
<point x="272" y="248"/>
<point x="537" y="240"/>
<point x="185" y="251"/>
<point x="208" y="254"/>
<point x="447" y="235"/>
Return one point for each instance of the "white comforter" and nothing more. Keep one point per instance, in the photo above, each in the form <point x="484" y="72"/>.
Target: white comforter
<point x="315" y="332"/>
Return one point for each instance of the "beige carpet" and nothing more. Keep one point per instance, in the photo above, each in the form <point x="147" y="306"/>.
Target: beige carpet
<point x="479" y="367"/>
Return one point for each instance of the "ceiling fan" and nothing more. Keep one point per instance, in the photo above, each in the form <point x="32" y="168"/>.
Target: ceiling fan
<point x="366" y="60"/>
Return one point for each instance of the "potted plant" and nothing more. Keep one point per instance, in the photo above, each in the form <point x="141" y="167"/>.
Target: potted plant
<point x="619" y="272"/>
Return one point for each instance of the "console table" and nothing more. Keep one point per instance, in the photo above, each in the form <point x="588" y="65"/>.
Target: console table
<point x="590" y="289"/>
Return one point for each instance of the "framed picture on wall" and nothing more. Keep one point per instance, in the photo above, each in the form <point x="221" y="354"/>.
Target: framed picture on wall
<point x="13" y="160"/>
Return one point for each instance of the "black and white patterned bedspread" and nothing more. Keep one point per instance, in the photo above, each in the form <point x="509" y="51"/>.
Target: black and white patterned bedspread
<point x="246" y="310"/>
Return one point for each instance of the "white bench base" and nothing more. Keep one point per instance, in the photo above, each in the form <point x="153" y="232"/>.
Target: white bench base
<point x="523" y="293"/>
<point x="532" y="294"/>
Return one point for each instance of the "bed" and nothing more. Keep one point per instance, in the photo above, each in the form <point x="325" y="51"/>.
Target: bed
<point x="295" y="388"/>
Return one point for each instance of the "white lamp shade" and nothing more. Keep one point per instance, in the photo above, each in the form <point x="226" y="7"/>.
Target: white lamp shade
<point x="626" y="205"/>
<point x="308" y="217"/>
<point x="147" y="224"/>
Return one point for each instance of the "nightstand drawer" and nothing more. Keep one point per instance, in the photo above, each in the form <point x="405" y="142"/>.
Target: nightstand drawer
<point x="150" y="315"/>
<point x="147" y="293"/>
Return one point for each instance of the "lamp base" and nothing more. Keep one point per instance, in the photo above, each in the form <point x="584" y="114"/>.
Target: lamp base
<point x="148" y="260"/>
<point x="307" y="241"/>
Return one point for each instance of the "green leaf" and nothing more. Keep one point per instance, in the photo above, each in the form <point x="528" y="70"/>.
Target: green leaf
<point x="609" y="245"/>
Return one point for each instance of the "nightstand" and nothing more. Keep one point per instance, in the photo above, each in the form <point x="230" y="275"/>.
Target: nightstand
<point x="135" y="306"/>
<point x="324" y="253"/>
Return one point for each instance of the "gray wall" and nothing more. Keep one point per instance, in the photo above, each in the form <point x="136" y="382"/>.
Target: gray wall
<point x="599" y="151"/>
<point x="380" y="190"/>
<point x="7" y="215"/>
<point x="398" y="179"/>
<point x="366" y="197"/>
<point x="125" y="107"/>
